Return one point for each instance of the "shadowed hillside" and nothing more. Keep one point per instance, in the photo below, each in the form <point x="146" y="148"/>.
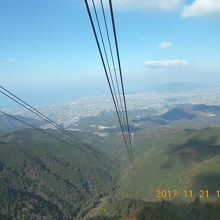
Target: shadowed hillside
<point x="176" y="160"/>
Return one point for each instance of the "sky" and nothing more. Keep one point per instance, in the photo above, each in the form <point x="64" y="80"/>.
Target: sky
<point x="48" y="52"/>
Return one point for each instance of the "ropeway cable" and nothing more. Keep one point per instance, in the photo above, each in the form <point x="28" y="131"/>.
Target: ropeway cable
<point x="105" y="69"/>
<point x="44" y="117"/>
<point x="111" y="52"/>
<point x="100" y="51"/>
<point x="95" y="153"/>
<point x="116" y="78"/>
<point x="120" y="108"/>
<point x="38" y="129"/>
<point x="107" y="60"/>
<point x="120" y="70"/>
<point x="109" y="83"/>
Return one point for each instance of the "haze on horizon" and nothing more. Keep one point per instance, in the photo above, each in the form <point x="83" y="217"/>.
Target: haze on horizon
<point x="48" y="53"/>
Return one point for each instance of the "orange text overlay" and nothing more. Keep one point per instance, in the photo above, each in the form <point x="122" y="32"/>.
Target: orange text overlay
<point x="171" y="194"/>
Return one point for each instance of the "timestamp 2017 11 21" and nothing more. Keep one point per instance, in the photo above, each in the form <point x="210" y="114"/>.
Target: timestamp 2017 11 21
<point x="171" y="194"/>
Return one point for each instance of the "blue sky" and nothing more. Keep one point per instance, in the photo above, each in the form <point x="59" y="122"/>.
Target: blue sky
<point x="48" y="52"/>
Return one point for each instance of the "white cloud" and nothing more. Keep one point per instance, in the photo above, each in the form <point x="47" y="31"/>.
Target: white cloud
<point x="165" y="45"/>
<point x="8" y="60"/>
<point x="202" y="8"/>
<point x="166" y="63"/>
<point x="145" y="5"/>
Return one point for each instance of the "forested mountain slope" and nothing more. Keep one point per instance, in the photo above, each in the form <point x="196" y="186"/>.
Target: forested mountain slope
<point x="42" y="178"/>
<point x="176" y="160"/>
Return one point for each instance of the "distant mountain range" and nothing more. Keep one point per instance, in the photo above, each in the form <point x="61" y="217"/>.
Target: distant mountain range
<point x="179" y="87"/>
<point x="203" y="107"/>
<point x="177" y="114"/>
<point x="184" y="116"/>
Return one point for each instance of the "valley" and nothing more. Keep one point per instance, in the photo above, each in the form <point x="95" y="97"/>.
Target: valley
<point x="176" y="148"/>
